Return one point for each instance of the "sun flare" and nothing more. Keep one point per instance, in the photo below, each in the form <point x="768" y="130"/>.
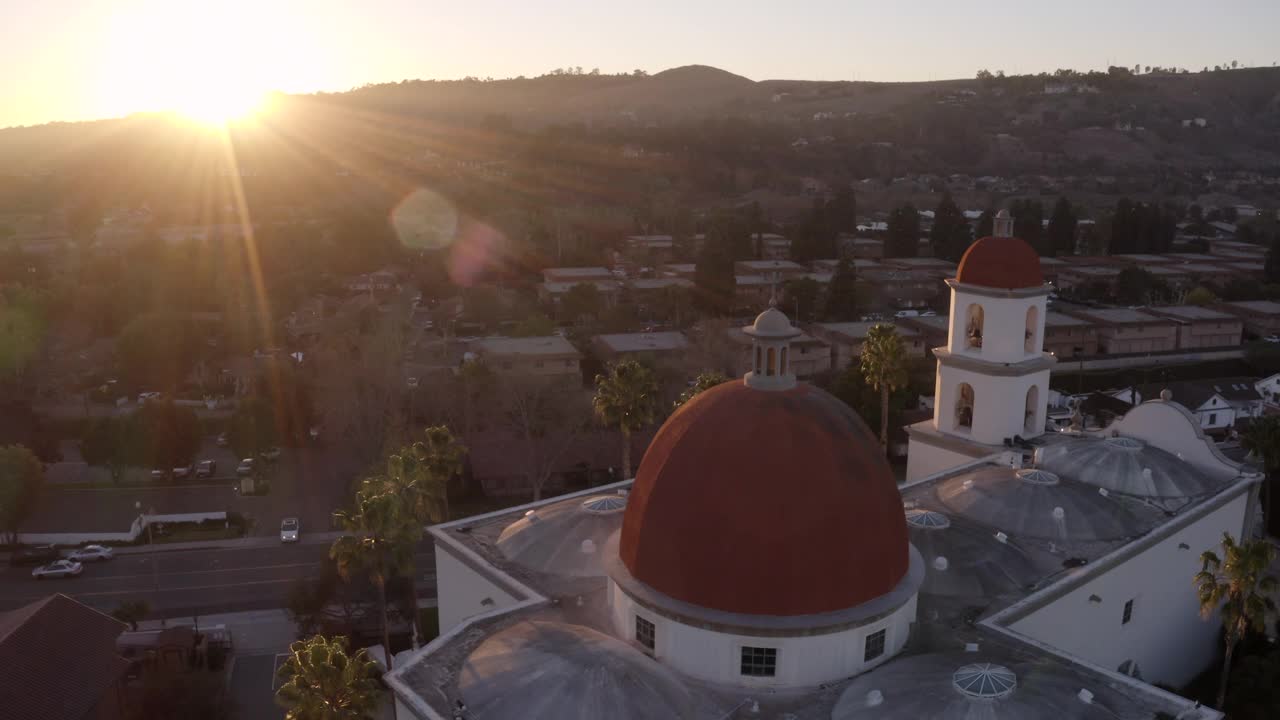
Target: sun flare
<point x="211" y="104"/>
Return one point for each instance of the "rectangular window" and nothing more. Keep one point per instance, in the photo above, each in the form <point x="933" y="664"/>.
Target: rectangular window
<point x="759" y="662"/>
<point x="538" y="364"/>
<point x="644" y="632"/>
<point x="1128" y="613"/>
<point x="1213" y="418"/>
<point x="874" y="646"/>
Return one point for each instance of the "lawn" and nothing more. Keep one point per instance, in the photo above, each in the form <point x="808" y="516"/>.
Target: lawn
<point x="194" y="534"/>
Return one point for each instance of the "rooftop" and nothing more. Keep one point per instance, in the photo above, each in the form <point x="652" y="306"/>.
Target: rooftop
<point x="1057" y="319"/>
<point x="1262" y="307"/>
<point x="644" y="342"/>
<point x="1192" y="312"/>
<point x="859" y="330"/>
<point x="1119" y="316"/>
<point x="576" y="271"/>
<point x="771" y="265"/>
<point x="545" y="345"/>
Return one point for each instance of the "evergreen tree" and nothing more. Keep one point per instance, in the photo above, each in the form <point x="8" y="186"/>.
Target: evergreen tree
<point x="903" y="239"/>
<point x="842" y="211"/>
<point x="713" y="278"/>
<point x="841" y="304"/>
<point x="1271" y="270"/>
<point x="1124" y="228"/>
<point x="986" y="224"/>
<point x="1062" y="228"/>
<point x="815" y="238"/>
<point x="950" y="234"/>
<point x="1028" y="224"/>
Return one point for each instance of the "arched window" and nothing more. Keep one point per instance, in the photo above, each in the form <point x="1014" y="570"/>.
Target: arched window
<point x="758" y="367"/>
<point x="1033" y="319"/>
<point x="783" y="365"/>
<point x="964" y="406"/>
<point x="973" y="327"/>
<point x="772" y="370"/>
<point x="1033" y="409"/>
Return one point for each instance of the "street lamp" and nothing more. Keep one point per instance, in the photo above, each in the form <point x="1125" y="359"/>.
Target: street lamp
<point x="155" y="568"/>
<point x="412" y="384"/>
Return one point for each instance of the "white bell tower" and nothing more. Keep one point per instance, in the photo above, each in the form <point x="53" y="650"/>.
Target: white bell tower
<point x="771" y="336"/>
<point x="993" y="374"/>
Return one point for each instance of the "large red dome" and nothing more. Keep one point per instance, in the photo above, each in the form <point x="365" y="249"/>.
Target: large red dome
<point x="1006" y="263"/>
<point x="766" y="503"/>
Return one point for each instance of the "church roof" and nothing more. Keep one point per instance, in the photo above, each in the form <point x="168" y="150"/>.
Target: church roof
<point x="1005" y="263"/>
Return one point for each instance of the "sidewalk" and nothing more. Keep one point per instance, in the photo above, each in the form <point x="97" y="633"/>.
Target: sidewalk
<point x="241" y="543"/>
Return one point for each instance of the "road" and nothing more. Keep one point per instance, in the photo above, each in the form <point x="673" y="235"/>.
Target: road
<point x="192" y="582"/>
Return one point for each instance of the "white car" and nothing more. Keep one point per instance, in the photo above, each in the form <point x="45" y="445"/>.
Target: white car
<point x="245" y="467"/>
<point x="148" y="397"/>
<point x="57" y="569"/>
<point x="271" y="454"/>
<point x="289" y="528"/>
<point x="184" y="472"/>
<point x="91" y="553"/>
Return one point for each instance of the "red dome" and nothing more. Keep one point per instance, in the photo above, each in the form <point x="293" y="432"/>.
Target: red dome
<point x="1001" y="262"/>
<point x="765" y="503"/>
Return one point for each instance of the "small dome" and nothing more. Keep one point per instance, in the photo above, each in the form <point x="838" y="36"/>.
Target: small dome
<point x="766" y="503"/>
<point x="997" y="498"/>
<point x="1004" y="263"/>
<point x="553" y="539"/>
<point x="539" y="669"/>
<point x="771" y="323"/>
<point x="978" y="565"/>
<point x="1126" y="465"/>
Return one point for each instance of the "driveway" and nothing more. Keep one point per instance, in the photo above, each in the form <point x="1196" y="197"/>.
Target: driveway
<point x="253" y="687"/>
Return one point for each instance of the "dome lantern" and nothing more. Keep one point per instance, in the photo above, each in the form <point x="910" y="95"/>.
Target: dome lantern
<point x="771" y="335"/>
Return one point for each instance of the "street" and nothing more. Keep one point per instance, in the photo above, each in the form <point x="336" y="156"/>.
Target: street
<point x="192" y="582"/>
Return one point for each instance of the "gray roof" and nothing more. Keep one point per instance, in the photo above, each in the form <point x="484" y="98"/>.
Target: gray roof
<point x="1057" y="319"/>
<point x="552" y="539"/>
<point x="1127" y="466"/>
<point x="1192" y="312"/>
<point x="576" y="271"/>
<point x="1004" y="501"/>
<point x="858" y="330"/>
<point x="1266" y="307"/>
<point x="540" y="669"/>
<point x="976" y="566"/>
<point x="545" y="345"/>
<point x="644" y="342"/>
<point x="1120" y="316"/>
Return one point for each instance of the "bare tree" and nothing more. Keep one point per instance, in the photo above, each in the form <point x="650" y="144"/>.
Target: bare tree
<point x="546" y="419"/>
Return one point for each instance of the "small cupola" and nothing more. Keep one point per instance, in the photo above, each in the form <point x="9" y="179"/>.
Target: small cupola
<point x="1002" y="225"/>
<point x="771" y="336"/>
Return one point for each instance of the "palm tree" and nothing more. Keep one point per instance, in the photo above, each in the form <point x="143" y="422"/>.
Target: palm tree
<point x="626" y="398"/>
<point x="438" y="458"/>
<point x="1236" y="586"/>
<point x="321" y="681"/>
<point x="707" y="379"/>
<point x="1262" y="440"/>
<point x="379" y="542"/>
<point x="884" y="365"/>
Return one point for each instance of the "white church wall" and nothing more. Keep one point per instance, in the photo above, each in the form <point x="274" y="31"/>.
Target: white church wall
<point x="1165" y="634"/>
<point x="1173" y="429"/>
<point x="463" y="592"/>
<point x="801" y="661"/>
<point x="924" y="460"/>
<point x="1004" y="324"/>
<point x="998" y="404"/>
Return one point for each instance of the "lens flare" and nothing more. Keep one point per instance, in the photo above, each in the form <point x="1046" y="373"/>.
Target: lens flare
<point x="425" y="220"/>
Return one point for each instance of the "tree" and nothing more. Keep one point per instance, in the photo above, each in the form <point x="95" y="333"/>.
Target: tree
<point x="381" y="535"/>
<point x="713" y="276"/>
<point x="1137" y="286"/>
<point x="131" y="611"/>
<point x="903" y="238"/>
<point x="705" y="381"/>
<point x="252" y="428"/>
<point x="1262" y="440"/>
<point x="535" y="325"/>
<point x="1028" y="224"/>
<point x="161" y="435"/>
<point x="884" y="365"/>
<point x="950" y="235"/>
<point x="157" y="350"/>
<point x="803" y="296"/>
<point x="546" y="421"/>
<point x="626" y="398"/>
<point x="1200" y="295"/>
<point x="438" y="459"/>
<point x="321" y="680"/>
<point x="841" y="304"/>
<point x="842" y="210"/>
<point x="1236" y="587"/>
<point x="482" y="304"/>
<point x="20" y="476"/>
<point x="583" y="301"/>
<point x="986" y="224"/>
<point x="1271" y="268"/>
<point x="1062" y="228"/>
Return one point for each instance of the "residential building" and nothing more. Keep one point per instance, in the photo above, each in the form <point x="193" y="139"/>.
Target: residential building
<point x="1082" y="275"/>
<point x="552" y="292"/>
<point x="772" y="246"/>
<point x="680" y="270"/>
<point x="934" y="328"/>
<point x="1269" y="390"/>
<point x="548" y="356"/>
<point x="1217" y="404"/>
<point x="1201" y="327"/>
<point x="942" y="268"/>
<point x="1261" y="317"/>
<point x="895" y="289"/>
<point x="1122" y="331"/>
<point x="755" y="290"/>
<point x="61" y="662"/>
<point x="572" y="275"/>
<point x="846" y="339"/>
<point x="653" y="345"/>
<point x="75" y="516"/>
<point x="1066" y="336"/>
<point x="773" y="270"/>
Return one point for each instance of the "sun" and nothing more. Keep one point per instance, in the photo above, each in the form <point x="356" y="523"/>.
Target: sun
<point x="218" y="103"/>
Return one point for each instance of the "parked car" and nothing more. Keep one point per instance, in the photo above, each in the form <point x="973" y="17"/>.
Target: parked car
<point x="145" y="397"/>
<point x="157" y="474"/>
<point x="184" y="472"/>
<point x="289" y="530"/>
<point x="907" y="314"/>
<point x="91" y="553"/>
<point x="34" y="555"/>
<point x="222" y="440"/>
<point x="245" y="467"/>
<point x="206" y="468"/>
<point x="57" y="569"/>
<point x="1272" y="338"/>
<point x="271" y="454"/>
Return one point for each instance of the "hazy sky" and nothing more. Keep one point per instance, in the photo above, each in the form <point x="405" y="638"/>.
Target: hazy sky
<point x="79" y="59"/>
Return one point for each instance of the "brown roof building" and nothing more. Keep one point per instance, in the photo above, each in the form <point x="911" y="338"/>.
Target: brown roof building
<point x="1123" y="331"/>
<point x="1067" y="337"/>
<point x="1200" y="327"/>
<point x="1261" y="317"/>
<point x="60" y="662"/>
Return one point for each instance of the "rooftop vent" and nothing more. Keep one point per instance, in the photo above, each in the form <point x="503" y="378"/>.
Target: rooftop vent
<point x="605" y="504"/>
<point x="984" y="681"/>
<point x="1085" y="696"/>
<point x="941" y="564"/>
<point x="928" y="520"/>
<point x="1124" y="443"/>
<point x="971" y="647"/>
<point x="532" y="517"/>
<point x="875" y="698"/>
<point x="1037" y="477"/>
<point x="588" y="546"/>
<point x="1001" y="537"/>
